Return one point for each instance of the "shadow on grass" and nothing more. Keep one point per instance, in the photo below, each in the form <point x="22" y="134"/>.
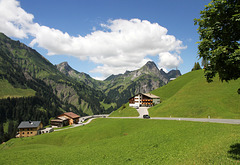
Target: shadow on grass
<point x="234" y="151"/>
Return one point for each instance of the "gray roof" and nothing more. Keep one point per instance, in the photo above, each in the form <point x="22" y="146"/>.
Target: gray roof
<point x="29" y="124"/>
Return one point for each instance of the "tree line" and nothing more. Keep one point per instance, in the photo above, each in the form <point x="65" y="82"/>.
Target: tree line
<point x="15" y="110"/>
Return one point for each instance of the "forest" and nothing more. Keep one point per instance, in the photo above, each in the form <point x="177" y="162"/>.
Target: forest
<point x="15" y="110"/>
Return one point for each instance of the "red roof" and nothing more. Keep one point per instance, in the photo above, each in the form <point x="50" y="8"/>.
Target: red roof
<point x="71" y="115"/>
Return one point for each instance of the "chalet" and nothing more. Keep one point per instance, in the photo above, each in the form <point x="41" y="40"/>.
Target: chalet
<point x="144" y="100"/>
<point x="60" y="121"/>
<point x="73" y="118"/>
<point x="30" y="128"/>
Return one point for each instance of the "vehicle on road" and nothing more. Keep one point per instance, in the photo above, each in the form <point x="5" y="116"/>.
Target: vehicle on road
<point x="146" y="116"/>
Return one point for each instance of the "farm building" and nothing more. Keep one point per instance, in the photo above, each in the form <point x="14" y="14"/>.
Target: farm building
<point x="144" y="100"/>
<point x="60" y="121"/>
<point x="30" y="128"/>
<point x="73" y="118"/>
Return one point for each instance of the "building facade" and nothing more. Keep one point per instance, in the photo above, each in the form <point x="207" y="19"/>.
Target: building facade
<point x="30" y="128"/>
<point x="144" y="100"/>
<point x="72" y="117"/>
<point x="60" y="121"/>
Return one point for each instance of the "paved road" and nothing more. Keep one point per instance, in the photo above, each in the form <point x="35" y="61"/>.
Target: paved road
<point x="226" y="121"/>
<point x="76" y="125"/>
<point x="142" y="111"/>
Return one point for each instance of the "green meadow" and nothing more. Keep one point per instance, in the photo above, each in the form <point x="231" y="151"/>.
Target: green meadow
<point x="125" y="111"/>
<point x="191" y="96"/>
<point x="129" y="141"/>
<point x="7" y="90"/>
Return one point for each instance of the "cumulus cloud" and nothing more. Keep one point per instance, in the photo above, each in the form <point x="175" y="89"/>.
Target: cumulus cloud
<point x="119" y="46"/>
<point x="14" y="21"/>
<point x="168" y="60"/>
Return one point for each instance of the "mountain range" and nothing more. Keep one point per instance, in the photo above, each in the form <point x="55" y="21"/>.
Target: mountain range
<point x="76" y="91"/>
<point x="118" y="88"/>
<point x="32" y="88"/>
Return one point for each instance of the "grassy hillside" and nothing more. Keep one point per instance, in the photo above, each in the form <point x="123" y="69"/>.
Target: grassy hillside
<point x="191" y="96"/>
<point x="7" y="90"/>
<point x="129" y="141"/>
<point x="125" y="111"/>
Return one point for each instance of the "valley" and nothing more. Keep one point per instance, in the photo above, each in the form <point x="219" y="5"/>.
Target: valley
<point x="99" y="82"/>
<point x="37" y="90"/>
<point x="28" y="79"/>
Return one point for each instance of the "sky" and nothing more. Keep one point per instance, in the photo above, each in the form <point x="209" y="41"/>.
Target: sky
<point x="104" y="37"/>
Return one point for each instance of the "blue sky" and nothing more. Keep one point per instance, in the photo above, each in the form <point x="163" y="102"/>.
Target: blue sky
<point x="108" y="36"/>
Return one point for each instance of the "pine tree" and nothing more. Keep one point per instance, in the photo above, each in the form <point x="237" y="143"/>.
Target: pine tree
<point x="1" y="130"/>
<point x="196" y="66"/>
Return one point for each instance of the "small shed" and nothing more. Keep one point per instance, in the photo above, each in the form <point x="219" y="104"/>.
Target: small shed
<point x="46" y="130"/>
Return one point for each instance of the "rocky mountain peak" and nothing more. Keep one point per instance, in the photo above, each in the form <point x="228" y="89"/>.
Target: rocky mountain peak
<point x="64" y="67"/>
<point x="151" y="66"/>
<point x="174" y="74"/>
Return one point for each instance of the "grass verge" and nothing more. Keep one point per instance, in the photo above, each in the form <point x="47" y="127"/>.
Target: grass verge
<point x="125" y="111"/>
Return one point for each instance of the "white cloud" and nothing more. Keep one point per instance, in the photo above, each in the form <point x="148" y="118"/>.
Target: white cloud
<point x="121" y="44"/>
<point x="14" y="21"/>
<point x="168" y="60"/>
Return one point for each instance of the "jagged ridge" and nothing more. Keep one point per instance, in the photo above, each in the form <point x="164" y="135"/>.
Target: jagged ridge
<point x="75" y="96"/>
<point x="119" y="88"/>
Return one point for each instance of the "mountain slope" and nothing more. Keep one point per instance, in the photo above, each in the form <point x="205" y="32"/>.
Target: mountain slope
<point x="18" y="60"/>
<point x="118" y="88"/>
<point x="191" y="96"/>
<point x="79" y="76"/>
<point x="7" y="90"/>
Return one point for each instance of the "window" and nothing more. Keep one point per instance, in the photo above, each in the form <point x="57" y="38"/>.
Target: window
<point x="27" y="132"/>
<point x="31" y="132"/>
<point x="23" y="133"/>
